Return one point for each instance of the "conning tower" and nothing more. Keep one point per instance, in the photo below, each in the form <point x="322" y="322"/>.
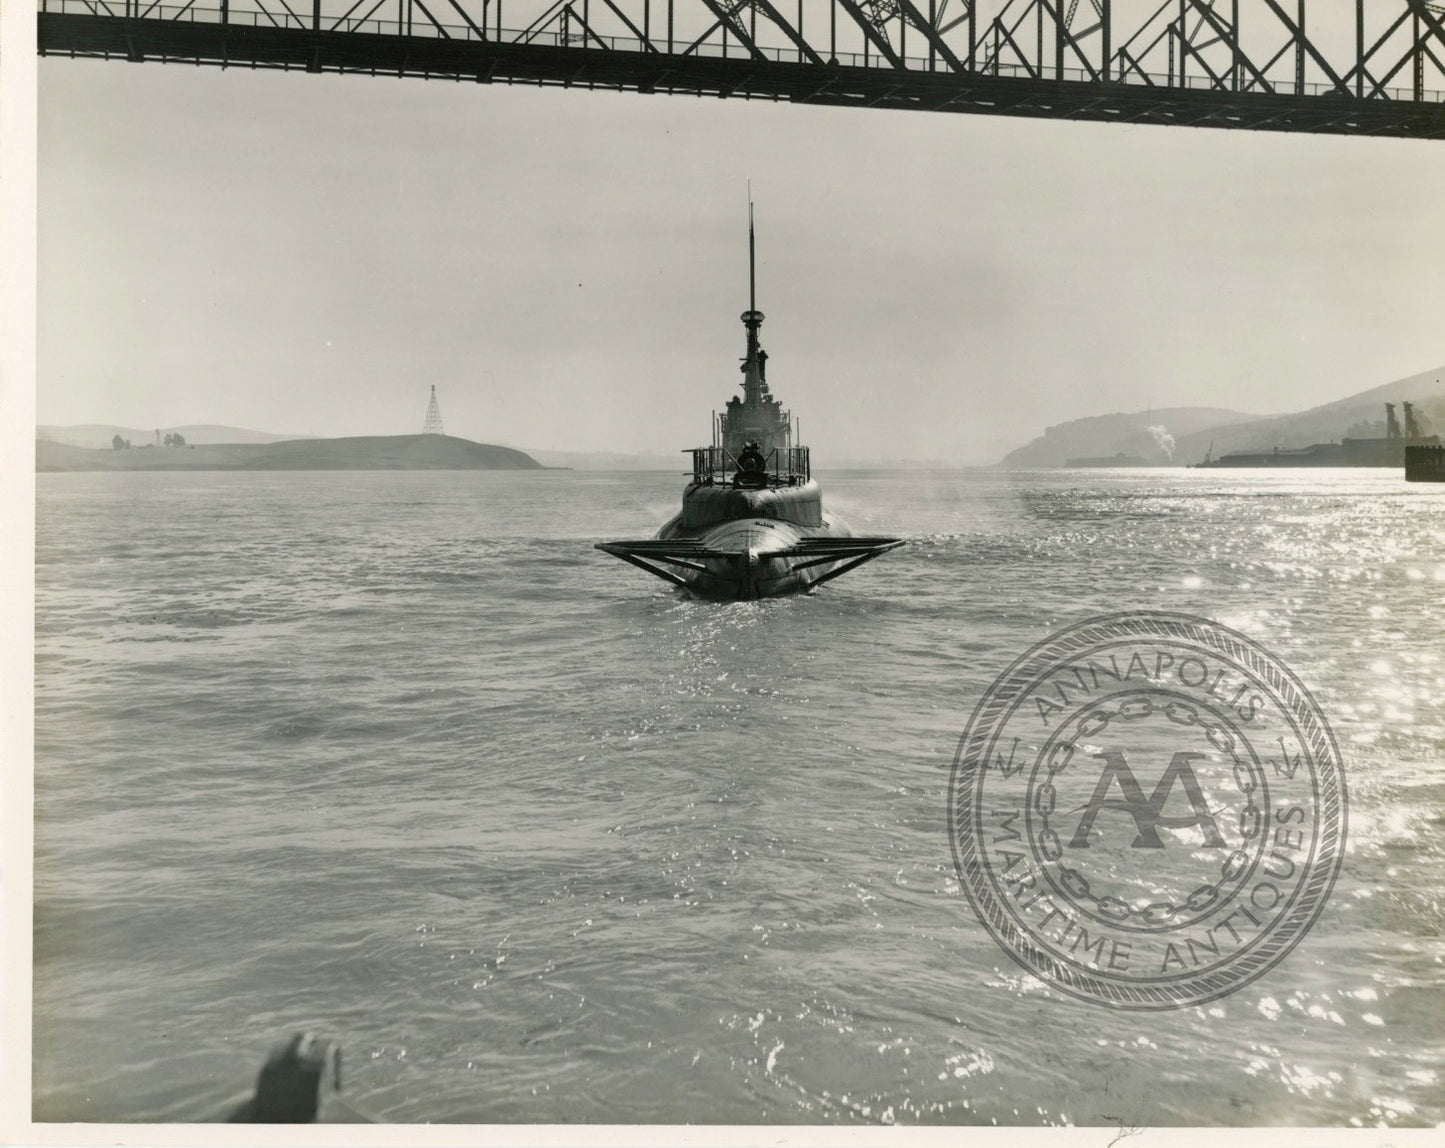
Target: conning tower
<point x="757" y="417"/>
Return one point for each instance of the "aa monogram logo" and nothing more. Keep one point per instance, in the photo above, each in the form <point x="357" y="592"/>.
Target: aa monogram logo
<point x="1147" y="811"/>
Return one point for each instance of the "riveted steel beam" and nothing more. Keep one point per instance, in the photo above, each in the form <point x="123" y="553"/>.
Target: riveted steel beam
<point x="751" y="49"/>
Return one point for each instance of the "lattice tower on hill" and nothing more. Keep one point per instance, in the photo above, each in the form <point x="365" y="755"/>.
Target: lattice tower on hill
<point x="433" y="424"/>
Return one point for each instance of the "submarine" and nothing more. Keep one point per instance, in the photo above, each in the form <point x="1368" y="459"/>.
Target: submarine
<point x="752" y="523"/>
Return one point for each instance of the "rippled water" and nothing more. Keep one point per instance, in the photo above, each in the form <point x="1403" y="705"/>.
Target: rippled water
<point x="400" y="757"/>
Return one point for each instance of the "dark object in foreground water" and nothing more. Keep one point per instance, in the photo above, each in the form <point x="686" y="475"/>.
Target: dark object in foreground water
<point x="752" y="522"/>
<point x="288" y="1090"/>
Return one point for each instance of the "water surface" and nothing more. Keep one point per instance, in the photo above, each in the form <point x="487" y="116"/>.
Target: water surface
<point x="538" y="838"/>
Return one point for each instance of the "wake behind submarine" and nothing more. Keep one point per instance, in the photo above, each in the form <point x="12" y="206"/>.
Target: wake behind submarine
<point x="752" y="523"/>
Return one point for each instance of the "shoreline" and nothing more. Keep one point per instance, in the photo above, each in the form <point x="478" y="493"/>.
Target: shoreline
<point x="380" y="452"/>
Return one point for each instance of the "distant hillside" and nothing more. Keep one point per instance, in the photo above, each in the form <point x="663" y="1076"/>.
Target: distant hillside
<point x="1191" y="430"/>
<point x="1104" y="436"/>
<point x="387" y="452"/>
<point x="97" y="436"/>
<point x="611" y="460"/>
<point x="1359" y="416"/>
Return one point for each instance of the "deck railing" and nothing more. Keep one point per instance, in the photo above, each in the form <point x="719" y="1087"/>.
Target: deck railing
<point x="788" y="466"/>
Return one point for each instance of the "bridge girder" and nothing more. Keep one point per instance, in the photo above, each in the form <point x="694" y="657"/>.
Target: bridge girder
<point x="1248" y="64"/>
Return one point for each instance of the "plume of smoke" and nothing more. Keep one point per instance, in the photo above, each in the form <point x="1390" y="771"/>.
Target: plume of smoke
<point x="1163" y="440"/>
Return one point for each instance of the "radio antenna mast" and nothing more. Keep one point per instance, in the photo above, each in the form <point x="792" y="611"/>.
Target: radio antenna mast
<point x="752" y="274"/>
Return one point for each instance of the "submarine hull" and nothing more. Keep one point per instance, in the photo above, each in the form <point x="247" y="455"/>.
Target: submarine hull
<point x="728" y="543"/>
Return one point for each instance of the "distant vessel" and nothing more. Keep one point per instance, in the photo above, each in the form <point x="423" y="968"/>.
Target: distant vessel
<point x="1120" y="459"/>
<point x="752" y="523"/>
<point x="1387" y="451"/>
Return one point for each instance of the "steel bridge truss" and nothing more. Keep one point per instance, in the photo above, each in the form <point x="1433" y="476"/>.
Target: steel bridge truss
<point x="1363" y="67"/>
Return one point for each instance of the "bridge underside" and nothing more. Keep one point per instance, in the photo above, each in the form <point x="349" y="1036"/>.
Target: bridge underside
<point x="490" y="61"/>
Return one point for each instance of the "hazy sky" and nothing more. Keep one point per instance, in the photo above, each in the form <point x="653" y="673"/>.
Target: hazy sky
<point x="307" y="254"/>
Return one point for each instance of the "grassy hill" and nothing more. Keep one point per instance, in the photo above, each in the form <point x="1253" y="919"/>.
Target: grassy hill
<point x="98" y="435"/>
<point x="377" y="452"/>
